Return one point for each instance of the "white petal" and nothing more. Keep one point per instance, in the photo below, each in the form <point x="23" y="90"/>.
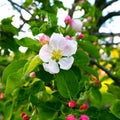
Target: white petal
<point x="57" y="41"/>
<point x="66" y="63"/>
<point x="77" y="25"/>
<point x="52" y="67"/>
<point x="70" y="48"/>
<point x="45" y="53"/>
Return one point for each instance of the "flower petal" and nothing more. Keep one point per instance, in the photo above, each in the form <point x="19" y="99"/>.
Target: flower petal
<point x="51" y="67"/>
<point x="45" y="53"/>
<point x="76" y="25"/>
<point x="70" y="48"/>
<point x="57" y="41"/>
<point x="66" y="63"/>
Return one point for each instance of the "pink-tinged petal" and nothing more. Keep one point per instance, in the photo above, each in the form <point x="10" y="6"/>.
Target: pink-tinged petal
<point x="44" y="39"/>
<point x="70" y="48"/>
<point x="51" y="67"/>
<point x="45" y="53"/>
<point x="66" y="63"/>
<point x="57" y="41"/>
<point x="76" y="25"/>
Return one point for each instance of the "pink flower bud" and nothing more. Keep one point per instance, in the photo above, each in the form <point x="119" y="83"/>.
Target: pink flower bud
<point x="1" y="96"/>
<point x="80" y="35"/>
<point x="74" y="24"/>
<point x="24" y="116"/>
<point x="32" y="75"/>
<point x="44" y="39"/>
<point x="72" y="104"/>
<point x="84" y="106"/>
<point x="67" y="37"/>
<point x="70" y="117"/>
<point x="68" y="20"/>
<point x="84" y="117"/>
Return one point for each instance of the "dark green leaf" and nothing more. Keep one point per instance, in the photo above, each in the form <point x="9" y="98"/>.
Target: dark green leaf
<point x="67" y="84"/>
<point x="90" y="48"/>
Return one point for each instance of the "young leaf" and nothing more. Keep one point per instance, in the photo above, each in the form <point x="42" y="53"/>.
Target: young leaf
<point x="67" y="84"/>
<point x="14" y="81"/>
<point x="115" y="108"/>
<point x="30" y="65"/>
<point x="8" y="110"/>
<point x="12" y="68"/>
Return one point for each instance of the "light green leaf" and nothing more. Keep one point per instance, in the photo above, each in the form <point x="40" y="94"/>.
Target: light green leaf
<point x="30" y="65"/>
<point x="115" y="108"/>
<point x="14" y="81"/>
<point x="30" y="43"/>
<point x="67" y="84"/>
<point x="12" y="68"/>
<point x="8" y="110"/>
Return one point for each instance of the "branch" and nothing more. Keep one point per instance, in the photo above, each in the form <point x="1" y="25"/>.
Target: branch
<point x="15" y="4"/>
<point x="108" y="3"/>
<point x="105" y="34"/>
<point x="71" y="11"/>
<point x="117" y="80"/>
<point x="108" y="16"/>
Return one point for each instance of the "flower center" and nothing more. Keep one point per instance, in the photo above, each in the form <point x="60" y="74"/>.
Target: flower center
<point x="56" y="54"/>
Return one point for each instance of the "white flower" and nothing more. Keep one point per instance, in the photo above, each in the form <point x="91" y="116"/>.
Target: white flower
<point x="58" y="53"/>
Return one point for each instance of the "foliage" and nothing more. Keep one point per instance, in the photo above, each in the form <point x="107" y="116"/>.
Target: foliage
<point x="45" y="96"/>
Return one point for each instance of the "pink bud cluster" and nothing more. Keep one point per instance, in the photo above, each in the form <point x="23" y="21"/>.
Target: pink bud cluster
<point x="72" y="104"/>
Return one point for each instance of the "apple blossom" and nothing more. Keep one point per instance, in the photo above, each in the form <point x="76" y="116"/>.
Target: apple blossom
<point x="58" y="53"/>
<point x="74" y="23"/>
<point x="70" y="117"/>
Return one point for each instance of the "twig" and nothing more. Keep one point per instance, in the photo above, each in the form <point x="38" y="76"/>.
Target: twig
<point x="106" y="34"/>
<point x="116" y="79"/>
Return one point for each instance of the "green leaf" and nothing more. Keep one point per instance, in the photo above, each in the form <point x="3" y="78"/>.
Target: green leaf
<point x="115" y="108"/>
<point x="30" y="43"/>
<point x="90" y="48"/>
<point x="12" y="68"/>
<point x="30" y="65"/>
<point x="81" y="58"/>
<point x="95" y="97"/>
<point x="67" y="84"/>
<point x="27" y="3"/>
<point x="114" y="89"/>
<point x="8" y="110"/>
<point x="14" y="81"/>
